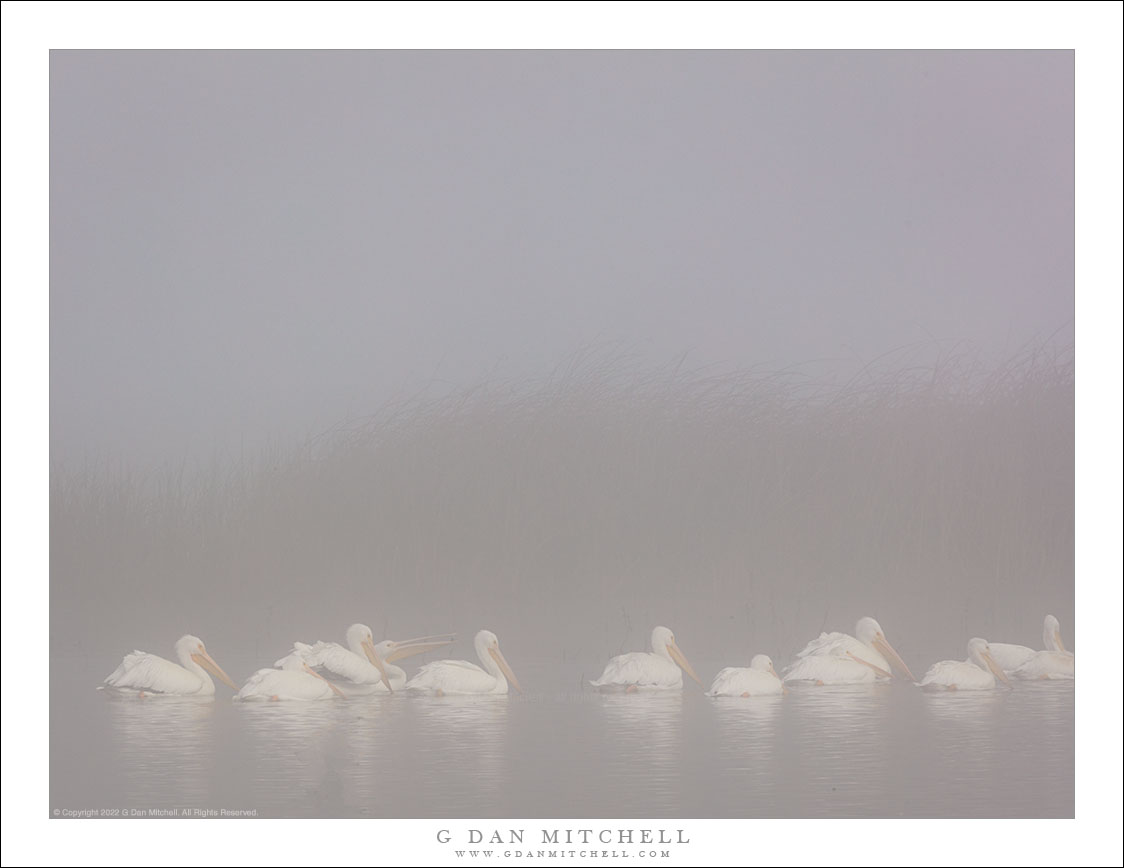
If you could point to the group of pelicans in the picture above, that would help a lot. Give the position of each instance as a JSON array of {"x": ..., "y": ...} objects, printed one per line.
[
  {"x": 327, "y": 670},
  {"x": 837, "y": 658}
]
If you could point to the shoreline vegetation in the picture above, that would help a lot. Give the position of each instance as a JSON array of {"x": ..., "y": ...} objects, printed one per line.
[{"x": 747, "y": 510}]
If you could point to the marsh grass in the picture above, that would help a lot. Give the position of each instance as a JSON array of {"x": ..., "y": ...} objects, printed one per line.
[{"x": 747, "y": 510}]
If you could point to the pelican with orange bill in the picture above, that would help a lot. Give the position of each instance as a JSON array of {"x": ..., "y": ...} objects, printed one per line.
[
  {"x": 459, "y": 677},
  {"x": 356, "y": 670},
  {"x": 146, "y": 674},
  {"x": 660, "y": 669},
  {"x": 836, "y": 658},
  {"x": 291, "y": 679},
  {"x": 979, "y": 672}
]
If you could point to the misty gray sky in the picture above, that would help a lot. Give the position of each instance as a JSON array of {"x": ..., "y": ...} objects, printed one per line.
[{"x": 254, "y": 246}]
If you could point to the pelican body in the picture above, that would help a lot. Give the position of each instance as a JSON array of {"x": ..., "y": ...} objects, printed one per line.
[
  {"x": 978, "y": 672},
  {"x": 836, "y": 658},
  {"x": 459, "y": 677},
  {"x": 390, "y": 650},
  {"x": 760, "y": 679},
  {"x": 292, "y": 679},
  {"x": 660, "y": 669},
  {"x": 145, "y": 674},
  {"x": 364, "y": 667},
  {"x": 355, "y": 669},
  {"x": 1012, "y": 657},
  {"x": 1046, "y": 666}
]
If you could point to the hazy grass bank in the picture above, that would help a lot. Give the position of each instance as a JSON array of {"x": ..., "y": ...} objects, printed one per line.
[{"x": 746, "y": 511}]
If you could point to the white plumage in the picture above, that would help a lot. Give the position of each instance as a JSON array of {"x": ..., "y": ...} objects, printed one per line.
[
  {"x": 1011, "y": 657},
  {"x": 759, "y": 679},
  {"x": 355, "y": 670},
  {"x": 364, "y": 667},
  {"x": 978, "y": 672},
  {"x": 837, "y": 658},
  {"x": 1046, "y": 666},
  {"x": 660, "y": 669},
  {"x": 390, "y": 650},
  {"x": 455, "y": 677},
  {"x": 827, "y": 669},
  {"x": 144, "y": 673},
  {"x": 292, "y": 679}
]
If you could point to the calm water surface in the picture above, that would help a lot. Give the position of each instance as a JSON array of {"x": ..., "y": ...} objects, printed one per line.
[{"x": 557, "y": 751}]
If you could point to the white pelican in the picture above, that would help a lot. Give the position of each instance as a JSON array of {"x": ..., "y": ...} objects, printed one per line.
[
  {"x": 291, "y": 679},
  {"x": 366, "y": 667},
  {"x": 450, "y": 677},
  {"x": 760, "y": 679},
  {"x": 389, "y": 651},
  {"x": 836, "y": 658},
  {"x": 661, "y": 669},
  {"x": 357, "y": 668},
  {"x": 1046, "y": 666},
  {"x": 144, "y": 673},
  {"x": 1011, "y": 657},
  {"x": 978, "y": 672}
]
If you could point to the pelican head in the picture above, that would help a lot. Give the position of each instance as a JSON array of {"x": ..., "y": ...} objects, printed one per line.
[
  {"x": 663, "y": 644},
  {"x": 1052, "y": 634},
  {"x": 191, "y": 649},
  {"x": 488, "y": 648},
  {"x": 980, "y": 653},
  {"x": 763, "y": 663},
  {"x": 357, "y": 636},
  {"x": 362, "y": 643},
  {"x": 384, "y": 649},
  {"x": 869, "y": 632}
]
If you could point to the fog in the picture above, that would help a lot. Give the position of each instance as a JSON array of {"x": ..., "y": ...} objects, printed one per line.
[
  {"x": 248, "y": 248},
  {"x": 563, "y": 345}
]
